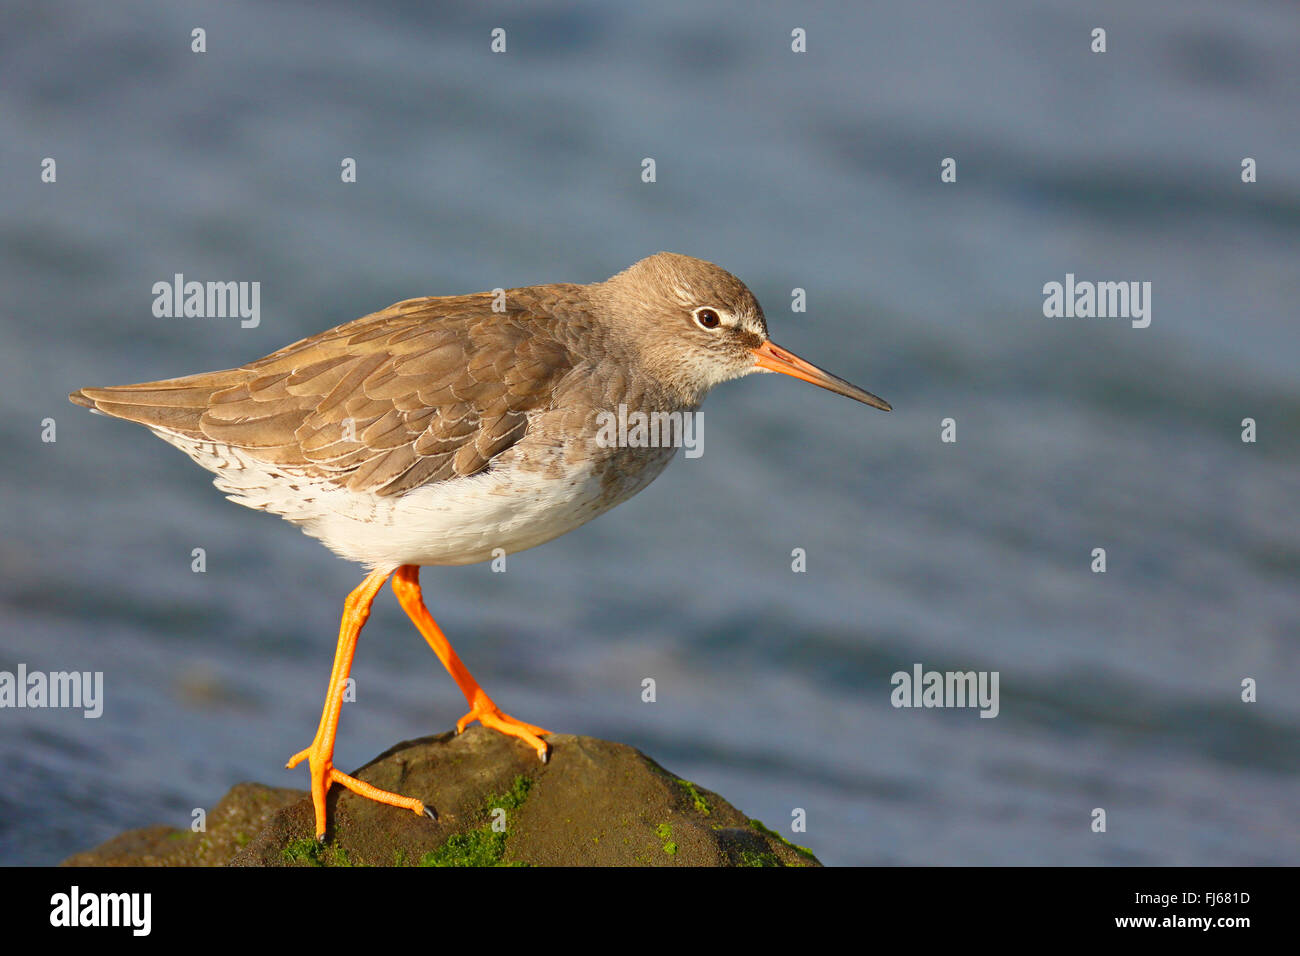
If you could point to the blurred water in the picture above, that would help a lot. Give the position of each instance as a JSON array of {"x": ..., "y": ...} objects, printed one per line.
[{"x": 817, "y": 170}]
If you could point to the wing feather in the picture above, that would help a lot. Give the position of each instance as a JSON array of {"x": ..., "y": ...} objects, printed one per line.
[{"x": 425, "y": 390}]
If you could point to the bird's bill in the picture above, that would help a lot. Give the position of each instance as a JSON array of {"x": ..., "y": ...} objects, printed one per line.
[{"x": 772, "y": 358}]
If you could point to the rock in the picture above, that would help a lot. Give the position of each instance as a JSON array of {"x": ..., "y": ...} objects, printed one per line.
[
  {"x": 595, "y": 803},
  {"x": 232, "y": 824}
]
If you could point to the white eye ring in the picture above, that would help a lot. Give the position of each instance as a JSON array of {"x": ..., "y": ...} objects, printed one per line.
[{"x": 708, "y": 319}]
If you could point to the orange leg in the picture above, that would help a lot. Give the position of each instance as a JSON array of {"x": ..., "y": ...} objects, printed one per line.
[
  {"x": 406, "y": 585},
  {"x": 320, "y": 755}
]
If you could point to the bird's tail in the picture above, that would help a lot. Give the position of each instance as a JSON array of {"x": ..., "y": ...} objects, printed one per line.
[{"x": 173, "y": 405}]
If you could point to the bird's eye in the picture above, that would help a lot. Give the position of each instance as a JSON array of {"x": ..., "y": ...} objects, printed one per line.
[{"x": 708, "y": 318}]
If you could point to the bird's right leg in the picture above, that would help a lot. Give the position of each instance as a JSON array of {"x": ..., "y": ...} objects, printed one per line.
[{"x": 406, "y": 585}]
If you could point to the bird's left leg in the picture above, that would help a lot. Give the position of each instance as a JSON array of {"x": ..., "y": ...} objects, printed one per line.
[{"x": 320, "y": 755}]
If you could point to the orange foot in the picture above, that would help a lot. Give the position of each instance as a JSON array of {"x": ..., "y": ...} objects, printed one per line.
[
  {"x": 406, "y": 585},
  {"x": 489, "y": 715},
  {"x": 320, "y": 754},
  {"x": 323, "y": 774}
]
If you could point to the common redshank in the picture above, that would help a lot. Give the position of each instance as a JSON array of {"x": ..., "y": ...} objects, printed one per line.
[{"x": 441, "y": 429}]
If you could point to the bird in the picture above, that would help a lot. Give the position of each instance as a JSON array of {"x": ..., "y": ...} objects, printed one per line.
[{"x": 447, "y": 430}]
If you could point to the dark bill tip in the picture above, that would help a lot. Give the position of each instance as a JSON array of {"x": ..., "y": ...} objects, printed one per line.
[{"x": 772, "y": 358}]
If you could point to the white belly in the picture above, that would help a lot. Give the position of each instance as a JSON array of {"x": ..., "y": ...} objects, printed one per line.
[{"x": 461, "y": 521}]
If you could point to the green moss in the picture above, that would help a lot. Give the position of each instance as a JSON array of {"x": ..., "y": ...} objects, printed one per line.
[
  {"x": 482, "y": 846},
  {"x": 697, "y": 798},
  {"x": 303, "y": 851},
  {"x": 399, "y": 856},
  {"x": 308, "y": 852},
  {"x": 665, "y": 832},
  {"x": 337, "y": 856},
  {"x": 241, "y": 839},
  {"x": 754, "y": 858},
  {"x": 513, "y": 798},
  {"x": 180, "y": 834},
  {"x": 766, "y": 831}
]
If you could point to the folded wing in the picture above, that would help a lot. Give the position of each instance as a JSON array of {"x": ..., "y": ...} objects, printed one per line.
[{"x": 424, "y": 391}]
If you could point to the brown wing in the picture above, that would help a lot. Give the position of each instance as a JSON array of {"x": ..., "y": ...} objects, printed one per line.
[{"x": 426, "y": 390}]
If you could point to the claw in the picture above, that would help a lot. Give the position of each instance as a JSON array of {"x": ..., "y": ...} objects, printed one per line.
[{"x": 431, "y": 813}]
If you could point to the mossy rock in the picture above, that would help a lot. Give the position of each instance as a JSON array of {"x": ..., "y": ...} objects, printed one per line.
[
  {"x": 240, "y": 815},
  {"x": 595, "y": 803}
]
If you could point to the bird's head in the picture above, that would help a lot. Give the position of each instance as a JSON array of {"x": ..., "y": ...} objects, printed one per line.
[{"x": 695, "y": 325}]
